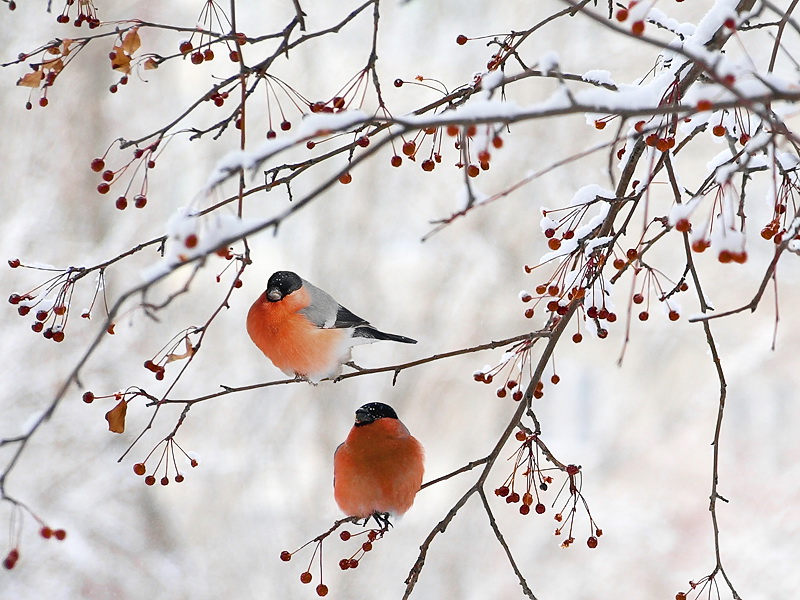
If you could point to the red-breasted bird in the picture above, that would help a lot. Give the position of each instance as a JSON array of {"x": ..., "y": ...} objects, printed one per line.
[
  {"x": 378, "y": 469},
  {"x": 304, "y": 331}
]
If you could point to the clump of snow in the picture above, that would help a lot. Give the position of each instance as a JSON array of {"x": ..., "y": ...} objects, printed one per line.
[
  {"x": 598, "y": 76},
  {"x": 683, "y": 211}
]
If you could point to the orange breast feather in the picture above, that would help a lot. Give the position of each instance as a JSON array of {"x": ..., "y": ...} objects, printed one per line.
[
  {"x": 379, "y": 468},
  {"x": 291, "y": 341}
]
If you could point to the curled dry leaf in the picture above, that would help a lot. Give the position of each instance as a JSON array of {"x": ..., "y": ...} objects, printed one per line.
[
  {"x": 173, "y": 356},
  {"x": 32, "y": 79},
  {"x": 150, "y": 64},
  {"x": 116, "y": 417},
  {"x": 131, "y": 42}
]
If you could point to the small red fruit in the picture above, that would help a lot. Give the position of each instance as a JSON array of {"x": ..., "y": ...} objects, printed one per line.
[
  {"x": 305, "y": 577},
  {"x": 139, "y": 469},
  {"x": 286, "y": 556},
  {"x": 461, "y": 40}
]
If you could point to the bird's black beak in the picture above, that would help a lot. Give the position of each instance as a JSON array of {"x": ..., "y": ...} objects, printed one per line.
[
  {"x": 274, "y": 294},
  {"x": 363, "y": 417}
]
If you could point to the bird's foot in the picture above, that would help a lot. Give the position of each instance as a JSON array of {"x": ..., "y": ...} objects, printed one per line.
[{"x": 381, "y": 518}]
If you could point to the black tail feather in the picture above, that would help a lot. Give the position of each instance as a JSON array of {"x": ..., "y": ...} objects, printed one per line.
[{"x": 370, "y": 332}]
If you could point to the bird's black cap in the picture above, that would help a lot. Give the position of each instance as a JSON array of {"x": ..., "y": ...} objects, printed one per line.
[{"x": 369, "y": 413}]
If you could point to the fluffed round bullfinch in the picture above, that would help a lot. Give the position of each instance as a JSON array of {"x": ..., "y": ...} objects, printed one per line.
[
  {"x": 378, "y": 469},
  {"x": 304, "y": 331}
]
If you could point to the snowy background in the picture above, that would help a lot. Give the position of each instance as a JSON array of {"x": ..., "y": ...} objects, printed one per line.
[{"x": 641, "y": 431}]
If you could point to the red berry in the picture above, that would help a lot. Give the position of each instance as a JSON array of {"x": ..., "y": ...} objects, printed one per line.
[
  {"x": 622, "y": 15},
  {"x": 179, "y": 478},
  {"x": 344, "y": 564},
  {"x": 600, "y": 124},
  {"x": 46, "y": 532},
  {"x": 344, "y": 536},
  {"x": 461, "y": 40},
  {"x": 577, "y": 338},
  {"x": 37, "y": 327},
  {"x": 88, "y": 397},
  {"x": 674, "y": 315},
  {"x": 718, "y": 130},
  {"x": 139, "y": 201},
  {"x": 58, "y": 336},
  {"x": 528, "y": 313},
  {"x": 512, "y": 497},
  {"x": 366, "y": 546},
  {"x": 103, "y": 188},
  {"x": 286, "y": 126},
  {"x": 409, "y": 148},
  {"x": 502, "y": 491},
  {"x": 644, "y": 315},
  {"x": 322, "y": 590},
  {"x": 150, "y": 480},
  {"x": 98, "y": 164},
  {"x": 286, "y": 556},
  {"x": 208, "y": 54},
  {"x": 121, "y": 203},
  {"x": 397, "y": 161},
  {"x": 190, "y": 241},
  {"x": 428, "y": 165},
  {"x": 501, "y": 392},
  {"x": 139, "y": 469},
  {"x": 60, "y": 534},
  {"x": 197, "y": 58},
  {"x": 540, "y": 508},
  {"x": 398, "y": 83},
  {"x": 592, "y": 542},
  {"x": 305, "y": 577},
  {"x": 345, "y": 178},
  {"x": 108, "y": 175},
  {"x": 704, "y": 105},
  {"x": 185, "y": 47},
  {"x": 473, "y": 170},
  {"x": 234, "y": 56},
  {"x": 524, "y": 509},
  {"x": 637, "y": 28}
]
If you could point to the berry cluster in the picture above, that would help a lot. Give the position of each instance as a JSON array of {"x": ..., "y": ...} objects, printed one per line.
[
  {"x": 527, "y": 461},
  {"x": 15, "y": 530},
  {"x": 87, "y": 13},
  {"x": 143, "y": 160},
  {"x": 212, "y": 16},
  {"x": 725, "y": 231},
  {"x": 518, "y": 360},
  {"x": 50, "y": 301},
  {"x": 372, "y": 535},
  {"x": 168, "y": 460},
  {"x": 777, "y": 228}
]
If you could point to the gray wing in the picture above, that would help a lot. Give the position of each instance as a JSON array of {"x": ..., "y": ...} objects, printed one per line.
[{"x": 327, "y": 313}]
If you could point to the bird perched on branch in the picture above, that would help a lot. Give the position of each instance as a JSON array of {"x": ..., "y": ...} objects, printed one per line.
[
  {"x": 304, "y": 331},
  {"x": 378, "y": 469}
]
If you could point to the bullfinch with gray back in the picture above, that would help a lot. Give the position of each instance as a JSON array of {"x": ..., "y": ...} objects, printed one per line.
[
  {"x": 378, "y": 469},
  {"x": 304, "y": 331}
]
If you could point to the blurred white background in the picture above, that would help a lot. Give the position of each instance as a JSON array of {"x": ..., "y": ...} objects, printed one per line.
[{"x": 641, "y": 431}]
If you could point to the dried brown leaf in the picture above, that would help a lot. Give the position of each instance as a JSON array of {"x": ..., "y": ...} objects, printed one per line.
[
  {"x": 32, "y": 79},
  {"x": 131, "y": 42},
  {"x": 116, "y": 417},
  {"x": 150, "y": 64}
]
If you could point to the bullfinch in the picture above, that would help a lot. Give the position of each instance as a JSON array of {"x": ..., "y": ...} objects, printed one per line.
[
  {"x": 304, "y": 331},
  {"x": 378, "y": 469}
]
